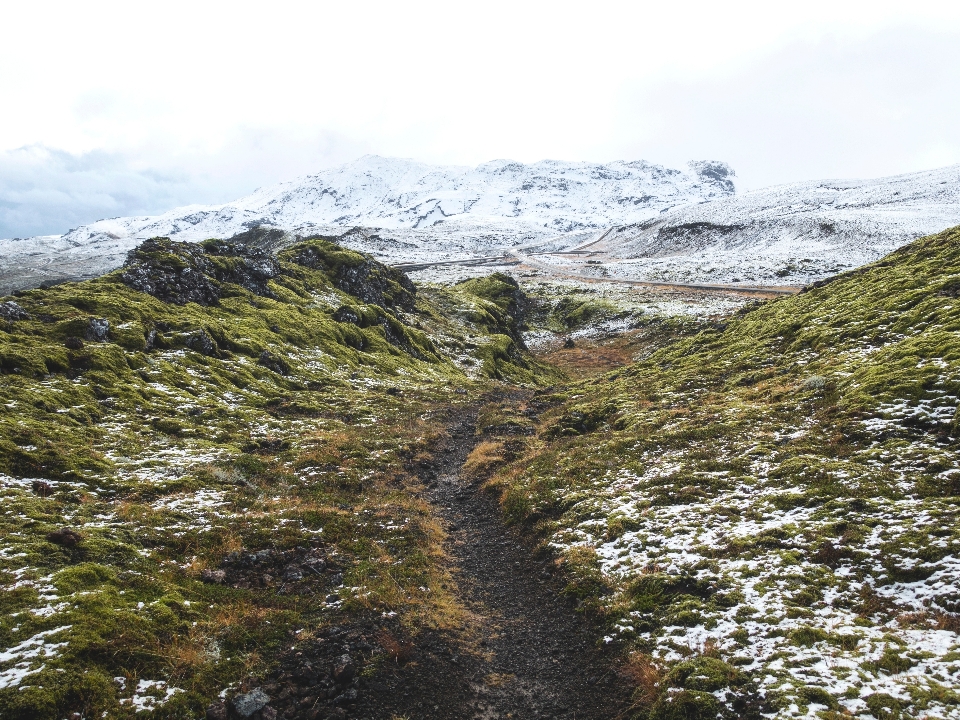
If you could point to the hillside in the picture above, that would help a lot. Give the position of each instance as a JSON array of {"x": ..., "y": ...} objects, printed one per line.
[
  {"x": 212, "y": 449},
  {"x": 278, "y": 483},
  {"x": 765, "y": 513},
  {"x": 426, "y": 211},
  {"x": 788, "y": 234}
]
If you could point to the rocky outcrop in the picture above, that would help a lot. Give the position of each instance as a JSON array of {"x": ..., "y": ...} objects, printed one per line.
[
  {"x": 504, "y": 292},
  {"x": 357, "y": 274},
  {"x": 11, "y": 311},
  {"x": 181, "y": 273},
  {"x": 98, "y": 330}
]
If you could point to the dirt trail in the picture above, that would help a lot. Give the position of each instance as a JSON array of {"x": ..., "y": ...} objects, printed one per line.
[{"x": 537, "y": 658}]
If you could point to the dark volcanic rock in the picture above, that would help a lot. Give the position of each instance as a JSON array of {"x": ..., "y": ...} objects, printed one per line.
[
  {"x": 217, "y": 711},
  {"x": 360, "y": 275},
  {"x": 202, "y": 343},
  {"x": 11, "y": 311},
  {"x": 42, "y": 488},
  {"x": 301, "y": 570},
  {"x": 273, "y": 362},
  {"x": 346, "y": 314},
  {"x": 65, "y": 537},
  {"x": 98, "y": 330},
  {"x": 180, "y": 273},
  {"x": 73, "y": 343}
]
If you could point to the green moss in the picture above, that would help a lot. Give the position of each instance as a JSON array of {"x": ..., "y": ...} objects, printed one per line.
[
  {"x": 703, "y": 673},
  {"x": 172, "y": 442},
  {"x": 686, "y": 705},
  {"x": 884, "y": 707},
  {"x": 813, "y": 694}
]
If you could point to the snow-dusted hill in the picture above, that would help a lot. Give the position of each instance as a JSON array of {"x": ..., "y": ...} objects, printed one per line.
[
  {"x": 424, "y": 210},
  {"x": 656, "y": 223},
  {"x": 789, "y": 233}
]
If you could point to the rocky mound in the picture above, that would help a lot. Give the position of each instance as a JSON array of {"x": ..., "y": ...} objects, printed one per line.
[
  {"x": 181, "y": 273},
  {"x": 357, "y": 274},
  {"x": 504, "y": 292}
]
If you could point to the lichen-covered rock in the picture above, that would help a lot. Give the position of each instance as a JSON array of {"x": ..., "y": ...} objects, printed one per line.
[
  {"x": 11, "y": 311},
  {"x": 98, "y": 330},
  {"x": 181, "y": 273},
  {"x": 247, "y": 704},
  {"x": 357, "y": 274}
]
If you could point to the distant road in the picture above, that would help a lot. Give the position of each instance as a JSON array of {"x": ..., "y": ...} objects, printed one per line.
[
  {"x": 740, "y": 289},
  {"x": 515, "y": 257}
]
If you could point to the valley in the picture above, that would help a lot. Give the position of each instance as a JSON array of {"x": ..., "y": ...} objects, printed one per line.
[{"x": 270, "y": 476}]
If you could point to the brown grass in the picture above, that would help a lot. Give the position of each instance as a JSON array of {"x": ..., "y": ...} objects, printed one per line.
[
  {"x": 930, "y": 618},
  {"x": 590, "y": 358},
  {"x": 483, "y": 460},
  {"x": 644, "y": 672},
  {"x": 398, "y": 651}
]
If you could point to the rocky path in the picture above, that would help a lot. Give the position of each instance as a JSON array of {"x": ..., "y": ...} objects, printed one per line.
[{"x": 532, "y": 656}]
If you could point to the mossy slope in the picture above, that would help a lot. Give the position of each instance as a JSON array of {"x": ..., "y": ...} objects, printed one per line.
[
  {"x": 249, "y": 403},
  {"x": 774, "y": 491}
]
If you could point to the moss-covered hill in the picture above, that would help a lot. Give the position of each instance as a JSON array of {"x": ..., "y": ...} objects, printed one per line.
[
  {"x": 207, "y": 456},
  {"x": 766, "y": 513}
]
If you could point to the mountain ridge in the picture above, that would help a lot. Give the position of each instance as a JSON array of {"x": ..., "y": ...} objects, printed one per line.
[{"x": 496, "y": 204}]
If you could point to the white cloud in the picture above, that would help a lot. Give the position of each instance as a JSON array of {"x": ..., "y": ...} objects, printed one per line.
[
  {"x": 45, "y": 191},
  {"x": 203, "y": 102}
]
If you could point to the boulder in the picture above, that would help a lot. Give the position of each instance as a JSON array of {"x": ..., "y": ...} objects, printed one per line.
[
  {"x": 214, "y": 577},
  {"x": 11, "y": 311},
  {"x": 202, "y": 343},
  {"x": 98, "y": 330},
  {"x": 346, "y": 314},
  {"x": 249, "y": 703}
]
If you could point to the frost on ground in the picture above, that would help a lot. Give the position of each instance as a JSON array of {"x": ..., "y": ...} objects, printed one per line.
[
  {"x": 846, "y": 597},
  {"x": 778, "y": 495},
  {"x": 26, "y": 658},
  {"x": 183, "y": 493}
]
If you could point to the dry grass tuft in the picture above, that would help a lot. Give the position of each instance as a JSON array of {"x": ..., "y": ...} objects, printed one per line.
[
  {"x": 483, "y": 460},
  {"x": 397, "y": 650},
  {"x": 644, "y": 672}
]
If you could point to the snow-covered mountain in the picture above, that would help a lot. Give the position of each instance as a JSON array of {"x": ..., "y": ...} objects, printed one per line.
[
  {"x": 788, "y": 234},
  {"x": 423, "y": 209},
  {"x": 642, "y": 221}
]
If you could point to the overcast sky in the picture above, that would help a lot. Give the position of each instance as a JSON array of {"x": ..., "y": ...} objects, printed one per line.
[{"x": 131, "y": 108}]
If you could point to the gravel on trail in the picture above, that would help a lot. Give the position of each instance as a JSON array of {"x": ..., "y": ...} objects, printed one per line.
[{"x": 533, "y": 656}]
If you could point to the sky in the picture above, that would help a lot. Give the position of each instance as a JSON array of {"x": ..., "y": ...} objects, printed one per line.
[{"x": 119, "y": 108}]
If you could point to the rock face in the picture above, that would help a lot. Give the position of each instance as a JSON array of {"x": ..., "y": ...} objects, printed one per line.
[
  {"x": 358, "y": 274},
  {"x": 180, "y": 273}
]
